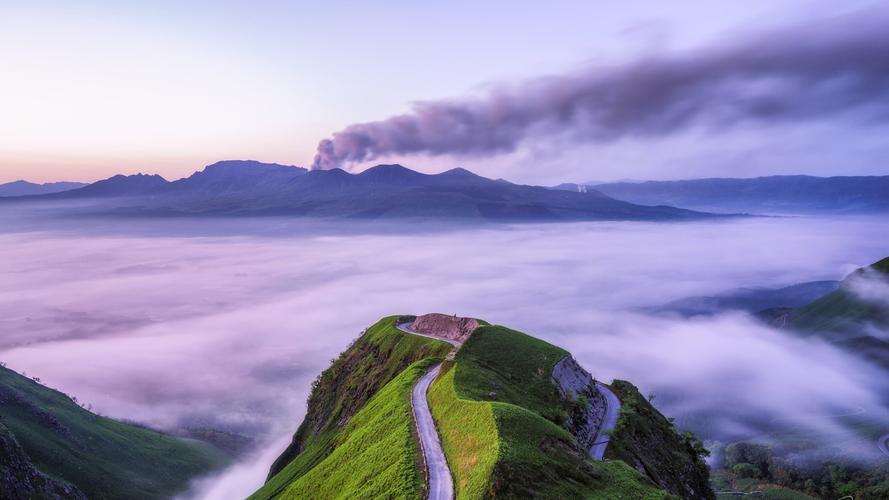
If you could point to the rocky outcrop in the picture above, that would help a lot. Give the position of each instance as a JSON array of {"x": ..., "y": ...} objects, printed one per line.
[
  {"x": 442, "y": 325},
  {"x": 588, "y": 409},
  {"x": 649, "y": 442},
  {"x": 20, "y": 479}
]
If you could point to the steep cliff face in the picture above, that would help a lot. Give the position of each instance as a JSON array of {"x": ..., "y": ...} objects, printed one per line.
[
  {"x": 588, "y": 411},
  {"x": 20, "y": 479},
  {"x": 375, "y": 359},
  {"x": 648, "y": 441}
]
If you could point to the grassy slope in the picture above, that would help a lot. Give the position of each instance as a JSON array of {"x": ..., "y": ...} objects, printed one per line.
[
  {"x": 841, "y": 311},
  {"x": 102, "y": 457},
  {"x": 468, "y": 436},
  {"x": 530, "y": 455},
  {"x": 374, "y": 455},
  {"x": 846, "y": 320},
  {"x": 646, "y": 439},
  {"x": 342, "y": 392}
]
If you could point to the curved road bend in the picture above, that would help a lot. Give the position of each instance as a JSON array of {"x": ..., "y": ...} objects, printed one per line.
[
  {"x": 441, "y": 484},
  {"x": 612, "y": 411},
  {"x": 405, "y": 327},
  {"x": 883, "y": 444}
]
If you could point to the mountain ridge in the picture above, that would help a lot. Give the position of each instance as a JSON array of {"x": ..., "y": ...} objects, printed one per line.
[
  {"x": 25, "y": 188},
  {"x": 507, "y": 426},
  {"x": 249, "y": 188},
  {"x": 766, "y": 194}
]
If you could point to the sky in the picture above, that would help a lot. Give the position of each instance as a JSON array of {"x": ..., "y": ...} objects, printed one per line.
[{"x": 96, "y": 88}]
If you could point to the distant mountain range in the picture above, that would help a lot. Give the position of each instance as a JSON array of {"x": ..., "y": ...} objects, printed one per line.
[
  {"x": 781, "y": 194},
  {"x": 250, "y": 188},
  {"x": 25, "y": 188}
]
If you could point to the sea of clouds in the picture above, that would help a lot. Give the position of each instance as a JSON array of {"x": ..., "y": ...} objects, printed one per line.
[{"x": 225, "y": 323}]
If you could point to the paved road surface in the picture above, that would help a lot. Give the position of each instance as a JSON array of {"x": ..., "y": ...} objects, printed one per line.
[
  {"x": 612, "y": 410},
  {"x": 441, "y": 484},
  {"x": 406, "y": 328},
  {"x": 883, "y": 444}
]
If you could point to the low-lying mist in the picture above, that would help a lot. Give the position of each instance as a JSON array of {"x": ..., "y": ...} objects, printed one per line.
[{"x": 194, "y": 323}]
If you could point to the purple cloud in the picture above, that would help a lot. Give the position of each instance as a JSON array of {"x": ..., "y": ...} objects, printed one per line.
[{"x": 831, "y": 68}]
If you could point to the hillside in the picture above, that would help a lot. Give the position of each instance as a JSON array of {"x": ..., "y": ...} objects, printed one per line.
[
  {"x": 510, "y": 423},
  {"x": 780, "y": 194},
  {"x": 52, "y": 444},
  {"x": 752, "y": 300},
  {"x": 850, "y": 315},
  {"x": 248, "y": 188}
]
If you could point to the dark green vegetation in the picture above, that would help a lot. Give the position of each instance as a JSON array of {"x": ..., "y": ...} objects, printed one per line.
[
  {"x": 365, "y": 381},
  {"x": 100, "y": 457},
  {"x": 648, "y": 441},
  {"x": 385, "y": 191},
  {"x": 756, "y": 467},
  {"x": 843, "y": 311},
  {"x": 508, "y": 375},
  {"x": 373, "y": 456},
  {"x": 20, "y": 479},
  {"x": 846, "y": 319},
  {"x": 497, "y": 410}
]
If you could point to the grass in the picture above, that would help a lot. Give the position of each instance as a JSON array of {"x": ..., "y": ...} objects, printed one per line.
[
  {"x": 344, "y": 390},
  {"x": 104, "y": 458},
  {"x": 374, "y": 455},
  {"x": 510, "y": 445},
  {"x": 468, "y": 436},
  {"x": 645, "y": 437},
  {"x": 496, "y": 408},
  {"x": 841, "y": 311},
  {"x": 515, "y": 366}
]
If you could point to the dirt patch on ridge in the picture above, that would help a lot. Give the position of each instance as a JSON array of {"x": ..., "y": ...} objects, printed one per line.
[{"x": 442, "y": 325}]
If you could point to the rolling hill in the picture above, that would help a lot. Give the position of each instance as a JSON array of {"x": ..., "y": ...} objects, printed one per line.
[
  {"x": 248, "y": 188},
  {"x": 516, "y": 417},
  {"x": 51, "y": 447},
  {"x": 851, "y": 316},
  {"x": 780, "y": 194}
]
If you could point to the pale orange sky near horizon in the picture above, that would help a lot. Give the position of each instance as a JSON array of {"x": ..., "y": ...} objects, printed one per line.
[{"x": 104, "y": 88}]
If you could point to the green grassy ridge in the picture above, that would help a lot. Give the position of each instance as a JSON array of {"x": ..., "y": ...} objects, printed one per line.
[
  {"x": 468, "y": 433},
  {"x": 20, "y": 479},
  {"x": 530, "y": 454},
  {"x": 843, "y": 318},
  {"x": 646, "y": 439},
  {"x": 104, "y": 458},
  {"x": 352, "y": 379},
  {"x": 374, "y": 456},
  {"x": 509, "y": 444},
  {"x": 841, "y": 311},
  {"x": 342, "y": 391}
]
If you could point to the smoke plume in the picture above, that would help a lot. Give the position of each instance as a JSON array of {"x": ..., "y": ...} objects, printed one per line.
[{"x": 826, "y": 69}]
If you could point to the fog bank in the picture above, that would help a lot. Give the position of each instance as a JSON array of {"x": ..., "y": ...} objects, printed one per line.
[{"x": 151, "y": 323}]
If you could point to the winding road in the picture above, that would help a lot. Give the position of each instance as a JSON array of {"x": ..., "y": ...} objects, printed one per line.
[
  {"x": 441, "y": 483},
  {"x": 612, "y": 411}
]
